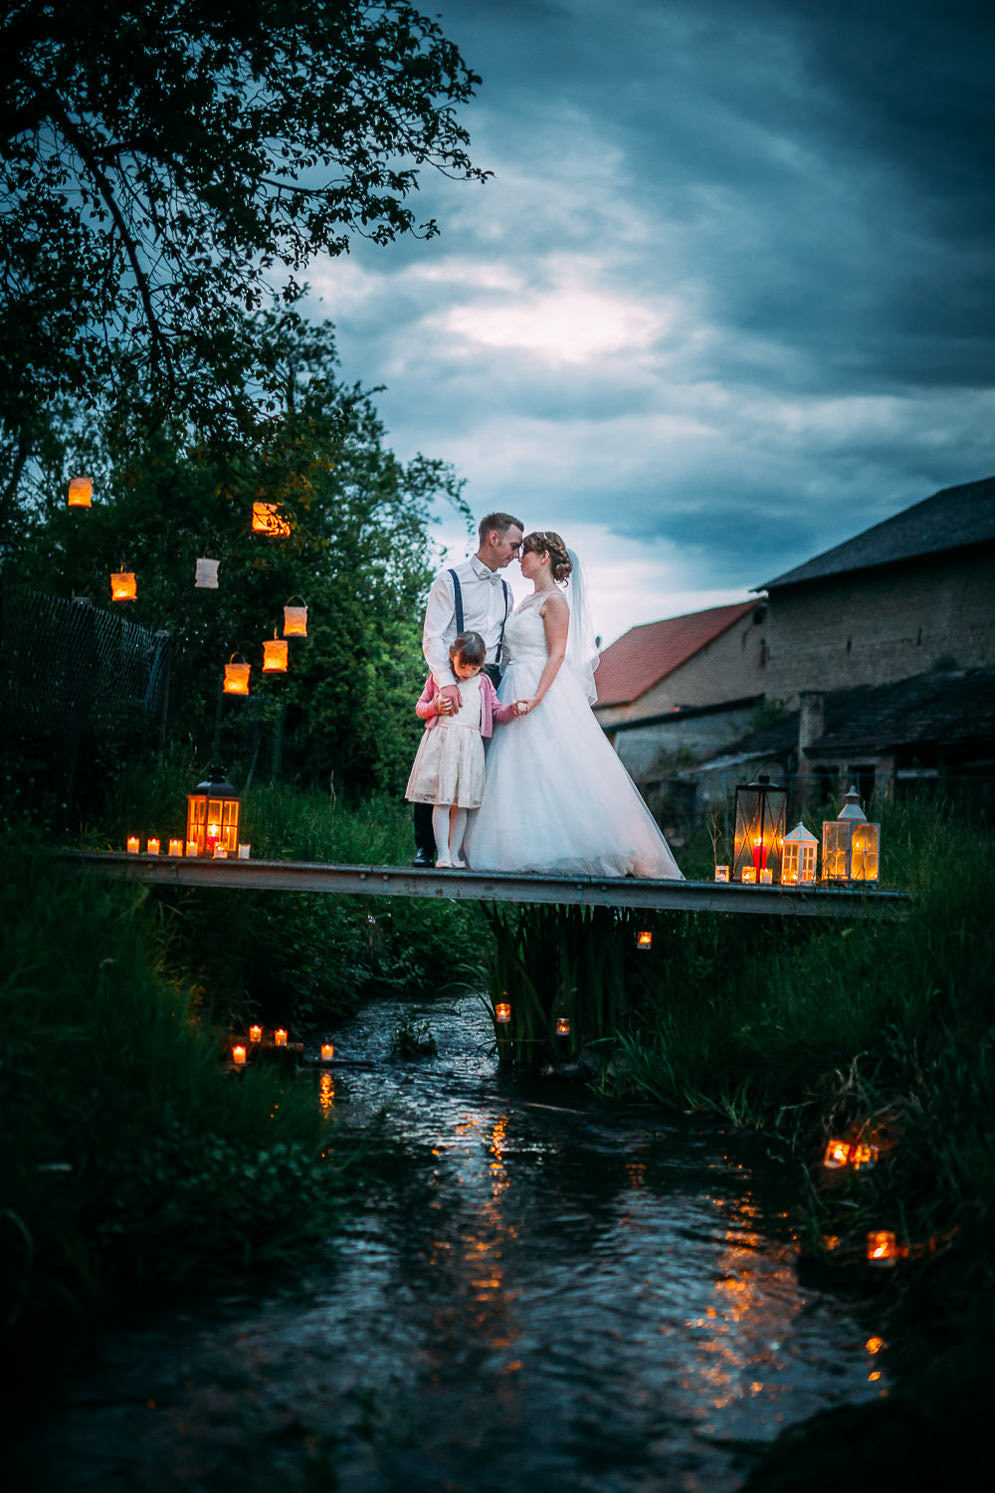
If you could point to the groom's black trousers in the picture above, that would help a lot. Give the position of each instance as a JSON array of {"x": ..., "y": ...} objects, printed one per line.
[{"x": 424, "y": 834}]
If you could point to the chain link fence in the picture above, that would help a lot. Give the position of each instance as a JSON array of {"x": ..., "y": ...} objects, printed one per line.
[{"x": 81, "y": 691}]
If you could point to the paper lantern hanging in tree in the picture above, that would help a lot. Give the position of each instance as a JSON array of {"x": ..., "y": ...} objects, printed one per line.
[
  {"x": 80, "y": 492},
  {"x": 124, "y": 586},
  {"x": 274, "y": 655},
  {"x": 236, "y": 676},
  {"x": 294, "y": 620},
  {"x": 206, "y": 574},
  {"x": 268, "y": 518}
]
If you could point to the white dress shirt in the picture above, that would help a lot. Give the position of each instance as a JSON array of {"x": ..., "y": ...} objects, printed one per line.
[{"x": 483, "y": 611}]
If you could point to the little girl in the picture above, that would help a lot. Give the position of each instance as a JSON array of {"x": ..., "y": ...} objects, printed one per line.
[{"x": 448, "y": 769}]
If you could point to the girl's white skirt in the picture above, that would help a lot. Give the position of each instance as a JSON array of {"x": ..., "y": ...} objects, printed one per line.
[{"x": 448, "y": 766}]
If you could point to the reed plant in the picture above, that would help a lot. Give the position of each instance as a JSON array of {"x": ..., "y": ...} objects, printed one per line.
[
  {"x": 294, "y": 959},
  {"x": 131, "y": 1159}
]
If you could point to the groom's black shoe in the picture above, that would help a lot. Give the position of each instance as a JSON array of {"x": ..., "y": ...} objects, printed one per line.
[{"x": 422, "y": 858}]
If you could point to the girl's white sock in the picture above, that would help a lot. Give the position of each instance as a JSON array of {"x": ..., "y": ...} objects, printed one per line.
[
  {"x": 440, "y": 829},
  {"x": 457, "y": 829}
]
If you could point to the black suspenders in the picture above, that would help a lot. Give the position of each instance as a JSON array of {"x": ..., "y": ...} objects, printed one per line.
[{"x": 458, "y": 598}]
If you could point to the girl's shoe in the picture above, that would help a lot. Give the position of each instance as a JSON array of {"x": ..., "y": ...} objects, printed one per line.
[
  {"x": 443, "y": 863},
  {"x": 459, "y": 864}
]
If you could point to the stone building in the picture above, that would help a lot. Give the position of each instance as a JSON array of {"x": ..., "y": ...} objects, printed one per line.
[
  {"x": 910, "y": 596},
  {"x": 676, "y": 690}
]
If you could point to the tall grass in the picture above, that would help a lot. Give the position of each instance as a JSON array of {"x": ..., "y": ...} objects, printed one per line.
[
  {"x": 295, "y": 959},
  {"x": 129, "y": 1157}
]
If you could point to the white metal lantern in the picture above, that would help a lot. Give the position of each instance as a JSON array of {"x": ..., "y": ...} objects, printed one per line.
[
  {"x": 851, "y": 848},
  {"x": 800, "y": 858},
  {"x": 206, "y": 574}
]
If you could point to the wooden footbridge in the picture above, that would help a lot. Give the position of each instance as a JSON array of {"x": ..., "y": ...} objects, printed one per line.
[{"x": 478, "y": 886}]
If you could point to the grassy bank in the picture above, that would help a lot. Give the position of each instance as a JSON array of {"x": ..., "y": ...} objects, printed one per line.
[
  {"x": 132, "y": 1163},
  {"x": 297, "y": 960},
  {"x": 874, "y": 1032}
]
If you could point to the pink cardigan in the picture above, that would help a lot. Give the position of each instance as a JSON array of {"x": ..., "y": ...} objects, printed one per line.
[{"x": 491, "y": 709}]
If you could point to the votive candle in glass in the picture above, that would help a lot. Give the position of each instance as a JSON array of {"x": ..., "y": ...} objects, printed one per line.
[
  {"x": 176, "y": 847},
  {"x": 152, "y": 845},
  {"x": 134, "y": 844},
  {"x": 280, "y": 1037}
]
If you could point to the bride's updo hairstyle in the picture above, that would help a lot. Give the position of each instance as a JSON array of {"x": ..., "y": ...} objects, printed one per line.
[{"x": 545, "y": 542}]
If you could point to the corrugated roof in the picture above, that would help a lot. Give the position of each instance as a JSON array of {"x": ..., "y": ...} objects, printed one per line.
[
  {"x": 950, "y": 519},
  {"x": 950, "y": 708},
  {"x": 645, "y": 655}
]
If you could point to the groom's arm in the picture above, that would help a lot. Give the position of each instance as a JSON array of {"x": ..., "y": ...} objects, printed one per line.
[{"x": 439, "y": 615}]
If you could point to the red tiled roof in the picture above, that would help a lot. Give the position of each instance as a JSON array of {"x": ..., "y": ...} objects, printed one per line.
[{"x": 645, "y": 655}]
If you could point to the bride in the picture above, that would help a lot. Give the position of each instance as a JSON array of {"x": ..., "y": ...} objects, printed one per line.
[{"x": 556, "y": 797}]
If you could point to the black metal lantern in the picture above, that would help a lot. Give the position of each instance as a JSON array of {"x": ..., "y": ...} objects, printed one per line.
[
  {"x": 212, "y": 817},
  {"x": 761, "y": 819}
]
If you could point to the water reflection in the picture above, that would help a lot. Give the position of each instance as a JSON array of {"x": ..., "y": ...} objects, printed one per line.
[{"x": 551, "y": 1294}]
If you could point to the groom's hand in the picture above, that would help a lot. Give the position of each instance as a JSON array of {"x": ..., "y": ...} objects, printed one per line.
[{"x": 450, "y": 699}]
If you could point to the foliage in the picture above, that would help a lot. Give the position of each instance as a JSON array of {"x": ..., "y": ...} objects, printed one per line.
[
  {"x": 167, "y": 166},
  {"x": 128, "y": 1156},
  {"x": 359, "y": 555},
  {"x": 549, "y": 962},
  {"x": 296, "y": 959},
  {"x": 412, "y": 1038}
]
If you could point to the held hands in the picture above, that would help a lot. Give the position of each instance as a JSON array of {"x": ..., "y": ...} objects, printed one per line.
[
  {"x": 448, "y": 700},
  {"x": 522, "y": 707}
]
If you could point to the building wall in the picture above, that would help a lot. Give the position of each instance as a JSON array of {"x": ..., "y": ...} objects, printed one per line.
[
  {"x": 730, "y": 667},
  {"x": 642, "y": 749},
  {"x": 874, "y": 627}
]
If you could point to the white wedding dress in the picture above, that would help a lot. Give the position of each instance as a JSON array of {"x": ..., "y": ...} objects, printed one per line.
[{"x": 556, "y": 797}]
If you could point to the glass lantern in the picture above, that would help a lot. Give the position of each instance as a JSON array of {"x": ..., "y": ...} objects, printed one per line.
[
  {"x": 212, "y": 816},
  {"x": 801, "y": 852},
  {"x": 761, "y": 814},
  {"x": 851, "y": 847}
]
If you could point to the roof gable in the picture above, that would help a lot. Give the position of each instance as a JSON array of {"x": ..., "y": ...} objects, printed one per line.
[
  {"x": 950, "y": 519},
  {"x": 645, "y": 655}
]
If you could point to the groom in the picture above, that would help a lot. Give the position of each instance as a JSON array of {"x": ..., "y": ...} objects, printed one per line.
[{"x": 468, "y": 597}]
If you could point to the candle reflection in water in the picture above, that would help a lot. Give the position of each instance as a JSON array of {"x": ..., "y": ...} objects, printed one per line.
[{"x": 326, "y": 1094}]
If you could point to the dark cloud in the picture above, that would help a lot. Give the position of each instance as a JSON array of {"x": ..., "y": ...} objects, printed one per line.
[{"x": 728, "y": 296}]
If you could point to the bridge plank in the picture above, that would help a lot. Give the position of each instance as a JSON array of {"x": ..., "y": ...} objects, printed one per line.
[{"x": 472, "y": 886}]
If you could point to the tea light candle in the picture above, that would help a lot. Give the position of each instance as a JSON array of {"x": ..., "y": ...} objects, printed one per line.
[
  {"x": 176, "y": 847},
  {"x": 152, "y": 846},
  {"x": 721, "y": 873},
  {"x": 134, "y": 844},
  {"x": 766, "y": 877},
  {"x": 327, "y": 1052},
  {"x": 748, "y": 874},
  {"x": 563, "y": 1026},
  {"x": 192, "y": 847},
  {"x": 644, "y": 940},
  {"x": 255, "y": 1033},
  {"x": 280, "y": 1037},
  {"x": 502, "y": 1011},
  {"x": 220, "y": 853},
  {"x": 238, "y": 1055}
]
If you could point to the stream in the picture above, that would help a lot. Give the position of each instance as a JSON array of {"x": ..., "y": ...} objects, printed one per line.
[{"x": 552, "y": 1293}]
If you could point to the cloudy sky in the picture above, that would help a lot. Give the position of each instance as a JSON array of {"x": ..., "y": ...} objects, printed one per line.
[{"x": 728, "y": 297}]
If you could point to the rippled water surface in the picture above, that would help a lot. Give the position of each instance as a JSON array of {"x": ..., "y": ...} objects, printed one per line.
[{"x": 551, "y": 1294}]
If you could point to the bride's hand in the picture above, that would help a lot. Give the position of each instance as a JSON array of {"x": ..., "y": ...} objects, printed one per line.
[{"x": 522, "y": 707}]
